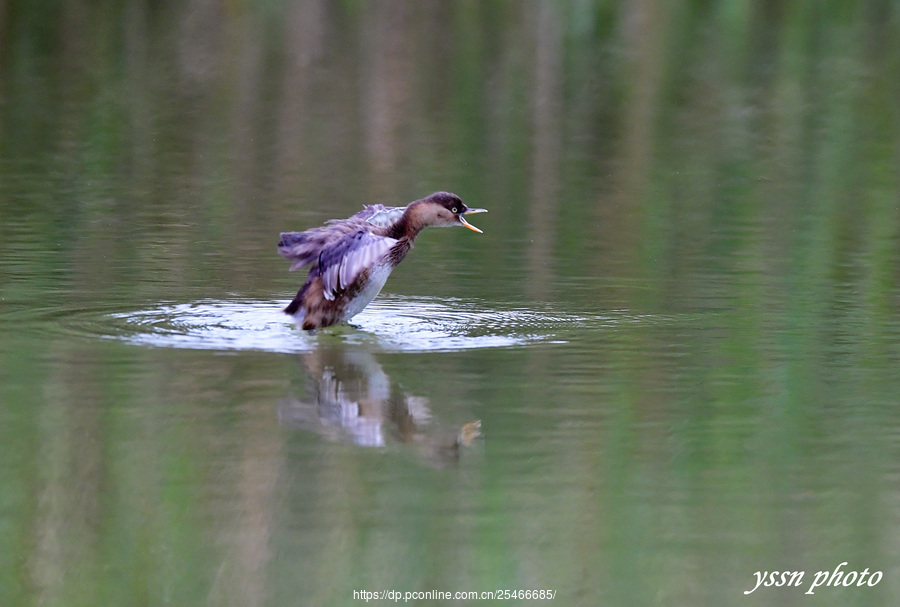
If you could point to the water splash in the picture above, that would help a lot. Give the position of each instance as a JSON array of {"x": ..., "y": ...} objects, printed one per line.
[{"x": 397, "y": 324}]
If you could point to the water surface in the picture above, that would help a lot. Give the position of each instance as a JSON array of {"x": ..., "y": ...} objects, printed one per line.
[{"x": 670, "y": 361}]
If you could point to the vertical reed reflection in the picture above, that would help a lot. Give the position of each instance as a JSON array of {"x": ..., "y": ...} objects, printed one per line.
[
  {"x": 305, "y": 45},
  {"x": 389, "y": 59},
  {"x": 547, "y": 149}
]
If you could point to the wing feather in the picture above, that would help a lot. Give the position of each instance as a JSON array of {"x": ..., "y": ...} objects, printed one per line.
[
  {"x": 382, "y": 216},
  {"x": 342, "y": 263}
]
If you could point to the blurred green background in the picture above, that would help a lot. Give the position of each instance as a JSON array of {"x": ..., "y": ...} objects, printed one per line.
[{"x": 714, "y": 184}]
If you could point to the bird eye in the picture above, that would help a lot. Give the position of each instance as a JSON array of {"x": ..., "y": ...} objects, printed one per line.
[{"x": 453, "y": 210}]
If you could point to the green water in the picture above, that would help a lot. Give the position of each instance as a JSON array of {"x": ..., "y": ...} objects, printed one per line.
[{"x": 669, "y": 363}]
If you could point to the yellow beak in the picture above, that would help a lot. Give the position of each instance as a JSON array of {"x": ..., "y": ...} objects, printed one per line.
[{"x": 466, "y": 224}]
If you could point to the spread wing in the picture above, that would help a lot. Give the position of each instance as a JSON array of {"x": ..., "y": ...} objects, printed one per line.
[
  {"x": 340, "y": 264},
  {"x": 374, "y": 214},
  {"x": 303, "y": 248},
  {"x": 380, "y": 215}
]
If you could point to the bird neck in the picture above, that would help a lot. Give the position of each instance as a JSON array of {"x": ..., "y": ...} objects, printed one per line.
[{"x": 409, "y": 225}]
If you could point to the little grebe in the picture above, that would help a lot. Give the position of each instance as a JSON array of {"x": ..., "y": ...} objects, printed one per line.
[{"x": 352, "y": 258}]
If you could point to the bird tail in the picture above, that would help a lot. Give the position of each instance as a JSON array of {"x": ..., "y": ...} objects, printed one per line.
[{"x": 295, "y": 304}]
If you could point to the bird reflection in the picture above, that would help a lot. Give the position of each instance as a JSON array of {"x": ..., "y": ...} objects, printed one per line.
[{"x": 354, "y": 399}]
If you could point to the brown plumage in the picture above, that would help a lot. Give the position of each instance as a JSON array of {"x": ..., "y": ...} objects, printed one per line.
[{"x": 352, "y": 258}]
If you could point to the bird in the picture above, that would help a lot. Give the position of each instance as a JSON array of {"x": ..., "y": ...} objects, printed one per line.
[{"x": 352, "y": 258}]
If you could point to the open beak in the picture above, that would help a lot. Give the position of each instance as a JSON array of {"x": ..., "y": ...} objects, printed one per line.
[{"x": 466, "y": 224}]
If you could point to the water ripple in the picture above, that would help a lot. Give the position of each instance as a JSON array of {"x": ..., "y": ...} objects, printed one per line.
[{"x": 390, "y": 323}]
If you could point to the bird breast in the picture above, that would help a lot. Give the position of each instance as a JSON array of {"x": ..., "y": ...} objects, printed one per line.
[{"x": 378, "y": 275}]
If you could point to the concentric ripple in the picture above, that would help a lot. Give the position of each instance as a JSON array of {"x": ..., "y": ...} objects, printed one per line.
[{"x": 389, "y": 323}]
